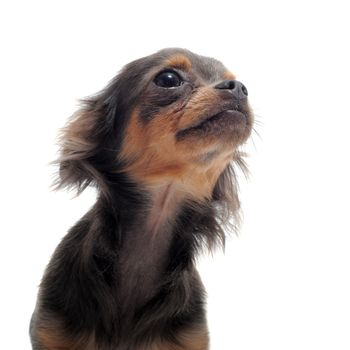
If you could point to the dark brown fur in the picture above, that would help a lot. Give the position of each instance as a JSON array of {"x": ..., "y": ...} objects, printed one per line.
[{"x": 124, "y": 276}]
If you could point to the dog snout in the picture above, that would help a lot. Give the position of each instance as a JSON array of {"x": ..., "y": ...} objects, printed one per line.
[{"x": 238, "y": 90}]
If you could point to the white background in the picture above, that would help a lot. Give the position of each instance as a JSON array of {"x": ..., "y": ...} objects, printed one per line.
[{"x": 284, "y": 282}]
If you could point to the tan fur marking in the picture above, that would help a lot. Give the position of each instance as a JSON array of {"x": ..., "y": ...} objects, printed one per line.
[
  {"x": 52, "y": 339},
  {"x": 192, "y": 339},
  {"x": 179, "y": 61},
  {"x": 229, "y": 76},
  {"x": 49, "y": 341},
  {"x": 202, "y": 101},
  {"x": 195, "y": 339}
]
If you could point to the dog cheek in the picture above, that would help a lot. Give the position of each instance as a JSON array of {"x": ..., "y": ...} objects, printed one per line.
[
  {"x": 134, "y": 139},
  {"x": 198, "y": 105}
]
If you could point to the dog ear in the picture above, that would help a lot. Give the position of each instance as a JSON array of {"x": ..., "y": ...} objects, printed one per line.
[{"x": 80, "y": 142}]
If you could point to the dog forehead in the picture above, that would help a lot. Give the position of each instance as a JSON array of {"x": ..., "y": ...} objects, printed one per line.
[{"x": 208, "y": 68}]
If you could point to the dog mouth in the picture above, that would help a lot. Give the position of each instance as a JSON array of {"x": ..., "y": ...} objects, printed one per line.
[{"x": 218, "y": 123}]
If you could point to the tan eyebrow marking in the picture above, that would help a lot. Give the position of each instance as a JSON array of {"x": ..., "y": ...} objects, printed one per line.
[
  {"x": 229, "y": 76},
  {"x": 179, "y": 61}
]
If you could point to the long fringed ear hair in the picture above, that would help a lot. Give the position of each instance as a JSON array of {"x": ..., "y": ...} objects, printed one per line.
[
  {"x": 87, "y": 153},
  {"x": 79, "y": 144},
  {"x": 89, "y": 142}
]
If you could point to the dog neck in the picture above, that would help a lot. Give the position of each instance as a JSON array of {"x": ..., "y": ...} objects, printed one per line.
[
  {"x": 155, "y": 226},
  {"x": 146, "y": 243}
]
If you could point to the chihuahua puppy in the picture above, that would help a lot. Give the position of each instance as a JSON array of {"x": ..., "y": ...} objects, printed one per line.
[{"x": 159, "y": 143}]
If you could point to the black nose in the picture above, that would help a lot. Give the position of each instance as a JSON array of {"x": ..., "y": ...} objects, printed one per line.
[{"x": 238, "y": 90}]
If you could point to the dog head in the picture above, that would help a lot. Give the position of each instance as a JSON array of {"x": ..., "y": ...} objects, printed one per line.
[{"x": 173, "y": 116}]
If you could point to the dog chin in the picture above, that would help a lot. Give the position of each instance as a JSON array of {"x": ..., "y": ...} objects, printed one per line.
[{"x": 227, "y": 124}]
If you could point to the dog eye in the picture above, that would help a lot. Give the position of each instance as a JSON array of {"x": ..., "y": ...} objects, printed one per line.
[{"x": 168, "y": 79}]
